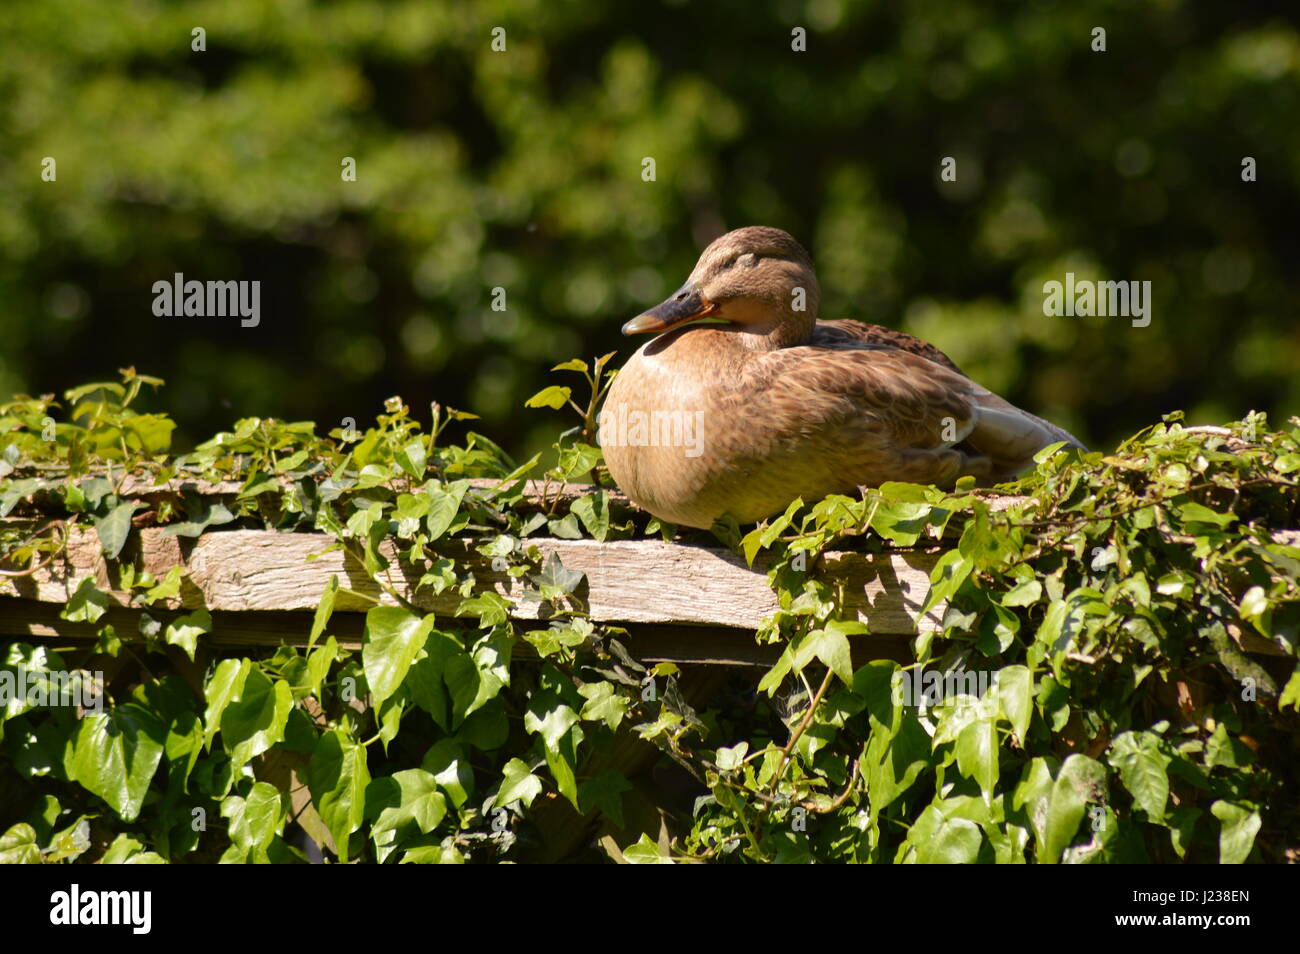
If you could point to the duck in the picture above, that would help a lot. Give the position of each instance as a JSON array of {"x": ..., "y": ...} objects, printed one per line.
[{"x": 745, "y": 400}]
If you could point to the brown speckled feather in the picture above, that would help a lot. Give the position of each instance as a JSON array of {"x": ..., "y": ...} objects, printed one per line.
[{"x": 846, "y": 333}]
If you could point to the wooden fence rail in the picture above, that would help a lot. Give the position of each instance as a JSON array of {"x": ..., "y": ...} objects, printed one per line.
[{"x": 679, "y": 601}]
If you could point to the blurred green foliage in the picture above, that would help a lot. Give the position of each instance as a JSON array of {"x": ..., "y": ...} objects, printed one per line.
[{"x": 522, "y": 169}]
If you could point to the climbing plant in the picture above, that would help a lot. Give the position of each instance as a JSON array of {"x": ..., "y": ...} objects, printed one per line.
[{"x": 1128, "y": 623}]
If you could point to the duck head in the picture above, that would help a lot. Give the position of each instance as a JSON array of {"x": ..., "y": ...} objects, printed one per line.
[{"x": 757, "y": 280}]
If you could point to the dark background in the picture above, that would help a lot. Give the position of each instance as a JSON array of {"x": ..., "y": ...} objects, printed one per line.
[{"x": 522, "y": 169}]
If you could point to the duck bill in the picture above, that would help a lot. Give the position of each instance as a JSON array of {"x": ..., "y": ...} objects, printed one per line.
[{"x": 686, "y": 304}]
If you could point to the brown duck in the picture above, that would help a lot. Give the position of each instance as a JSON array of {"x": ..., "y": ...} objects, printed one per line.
[{"x": 745, "y": 400}]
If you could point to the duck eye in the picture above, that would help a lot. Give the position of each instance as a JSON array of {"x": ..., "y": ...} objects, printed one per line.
[{"x": 748, "y": 260}]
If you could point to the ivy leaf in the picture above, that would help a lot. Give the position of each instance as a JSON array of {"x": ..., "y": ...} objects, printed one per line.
[
  {"x": 255, "y": 720},
  {"x": 645, "y": 852},
  {"x": 256, "y": 820},
  {"x": 87, "y": 604},
  {"x": 1026, "y": 593},
  {"x": 941, "y": 839},
  {"x": 555, "y": 581},
  {"x": 1239, "y": 825},
  {"x": 446, "y": 762},
  {"x": 18, "y": 846},
  {"x": 115, "y": 527},
  {"x": 185, "y": 631},
  {"x": 518, "y": 783},
  {"x": 338, "y": 777},
  {"x": 203, "y": 512},
  {"x": 1015, "y": 696},
  {"x": 323, "y": 610},
  {"x": 977, "y": 754},
  {"x": 222, "y": 689},
  {"x": 115, "y": 754},
  {"x": 476, "y": 678},
  {"x": 831, "y": 646},
  {"x": 1144, "y": 770},
  {"x": 394, "y": 636},
  {"x": 548, "y": 717},
  {"x": 603, "y": 704},
  {"x": 593, "y": 511},
  {"x": 413, "y": 459},
  {"x": 553, "y": 396},
  {"x": 605, "y": 792},
  {"x": 1057, "y": 806},
  {"x": 409, "y": 796}
]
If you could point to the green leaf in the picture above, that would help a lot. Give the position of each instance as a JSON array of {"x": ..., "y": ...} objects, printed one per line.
[
  {"x": 1026, "y": 593},
  {"x": 413, "y": 458},
  {"x": 1193, "y": 512},
  {"x": 203, "y": 512},
  {"x": 548, "y": 717},
  {"x": 573, "y": 364},
  {"x": 115, "y": 527},
  {"x": 518, "y": 783},
  {"x": 977, "y": 754},
  {"x": 126, "y": 850},
  {"x": 393, "y": 637},
  {"x": 603, "y": 704},
  {"x": 1057, "y": 806},
  {"x": 256, "y": 820},
  {"x": 1015, "y": 696},
  {"x": 446, "y": 762},
  {"x": 831, "y": 646},
  {"x": 338, "y": 777},
  {"x": 555, "y": 581},
  {"x": 605, "y": 792},
  {"x": 115, "y": 754},
  {"x": 645, "y": 852},
  {"x": 18, "y": 846},
  {"x": 593, "y": 511},
  {"x": 222, "y": 689},
  {"x": 1238, "y": 826},
  {"x": 941, "y": 839},
  {"x": 444, "y": 507},
  {"x": 87, "y": 604},
  {"x": 476, "y": 678},
  {"x": 1143, "y": 768},
  {"x": 323, "y": 610},
  {"x": 553, "y": 396},
  {"x": 254, "y": 721},
  {"x": 186, "y": 630},
  {"x": 407, "y": 797}
]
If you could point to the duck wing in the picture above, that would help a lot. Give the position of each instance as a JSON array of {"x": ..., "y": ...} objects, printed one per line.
[
  {"x": 846, "y": 334},
  {"x": 888, "y": 414}
]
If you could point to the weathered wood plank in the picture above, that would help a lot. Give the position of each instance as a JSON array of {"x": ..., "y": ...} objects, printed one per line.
[{"x": 627, "y": 581}]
